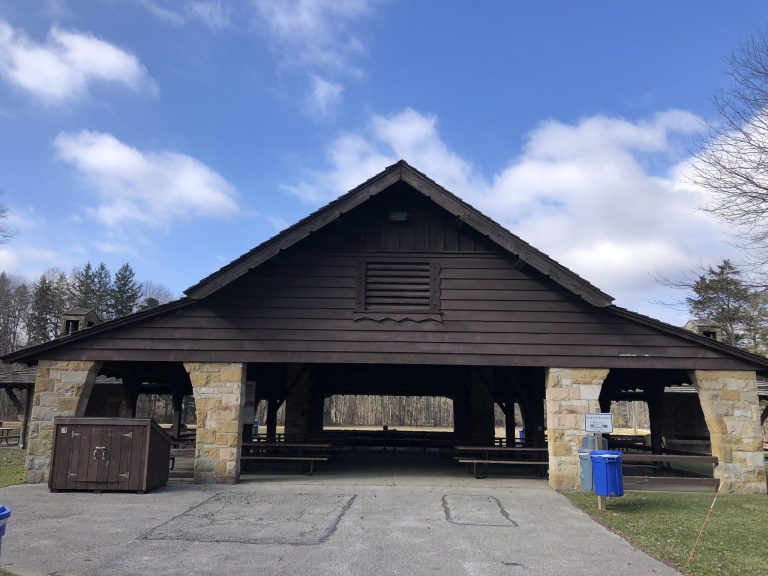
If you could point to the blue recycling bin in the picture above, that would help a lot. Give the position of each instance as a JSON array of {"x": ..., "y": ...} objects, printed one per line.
[
  {"x": 606, "y": 472},
  {"x": 522, "y": 434},
  {"x": 5, "y": 513}
]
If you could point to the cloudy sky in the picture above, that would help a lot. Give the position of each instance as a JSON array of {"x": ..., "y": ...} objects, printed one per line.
[{"x": 178, "y": 134}]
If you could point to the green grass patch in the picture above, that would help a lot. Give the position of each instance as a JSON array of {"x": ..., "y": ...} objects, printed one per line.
[
  {"x": 665, "y": 525},
  {"x": 11, "y": 467}
]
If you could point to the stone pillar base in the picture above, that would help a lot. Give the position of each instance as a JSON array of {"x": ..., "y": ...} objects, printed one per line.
[
  {"x": 571, "y": 393},
  {"x": 219, "y": 390},
  {"x": 732, "y": 412}
]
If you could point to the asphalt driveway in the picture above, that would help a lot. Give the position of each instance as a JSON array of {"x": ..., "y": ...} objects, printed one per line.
[{"x": 295, "y": 525}]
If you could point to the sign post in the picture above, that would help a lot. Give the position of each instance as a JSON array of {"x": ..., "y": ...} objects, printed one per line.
[{"x": 599, "y": 423}]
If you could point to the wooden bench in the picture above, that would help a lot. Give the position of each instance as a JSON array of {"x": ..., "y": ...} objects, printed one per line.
[
  {"x": 301, "y": 459},
  {"x": 186, "y": 452},
  {"x": 303, "y": 453},
  {"x": 484, "y": 464},
  {"x": 501, "y": 456}
]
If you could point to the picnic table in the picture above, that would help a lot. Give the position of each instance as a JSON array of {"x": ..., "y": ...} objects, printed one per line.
[
  {"x": 11, "y": 436},
  {"x": 482, "y": 456},
  {"x": 306, "y": 454}
]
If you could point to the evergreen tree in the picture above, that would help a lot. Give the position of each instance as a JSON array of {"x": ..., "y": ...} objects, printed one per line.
[
  {"x": 720, "y": 294},
  {"x": 102, "y": 292},
  {"x": 125, "y": 292},
  {"x": 43, "y": 323},
  {"x": 82, "y": 289}
]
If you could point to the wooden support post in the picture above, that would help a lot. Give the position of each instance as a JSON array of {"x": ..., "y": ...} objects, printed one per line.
[
  {"x": 602, "y": 503},
  {"x": 25, "y": 420},
  {"x": 178, "y": 401},
  {"x": 131, "y": 386},
  {"x": 655, "y": 400},
  {"x": 272, "y": 407}
]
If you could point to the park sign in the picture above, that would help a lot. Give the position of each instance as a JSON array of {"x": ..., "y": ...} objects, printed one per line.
[{"x": 600, "y": 423}]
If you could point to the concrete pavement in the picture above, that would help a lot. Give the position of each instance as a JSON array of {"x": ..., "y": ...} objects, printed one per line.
[{"x": 377, "y": 522}]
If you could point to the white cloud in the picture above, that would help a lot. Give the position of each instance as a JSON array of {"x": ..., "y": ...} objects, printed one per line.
[
  {"x": 63, "y": 67},
  {"x": 605, "y": 196},
  {"x": 324, "y": 96},
  {"x": 315, "y": 36},
  {"x": 212, "y": 13},
  {"x": 314, "y": 33},
  {"x": 146, "y": 187},
  {"x": 20, "y": 260}
]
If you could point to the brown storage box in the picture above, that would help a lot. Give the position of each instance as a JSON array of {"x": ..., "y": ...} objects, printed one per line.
[{"x": 114, "y": 454}]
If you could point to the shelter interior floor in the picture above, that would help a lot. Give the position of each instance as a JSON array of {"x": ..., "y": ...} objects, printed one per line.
[{"x": 392, "y": 468}]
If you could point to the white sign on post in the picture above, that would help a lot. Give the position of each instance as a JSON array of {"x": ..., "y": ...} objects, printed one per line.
[{"x": 599, "y": 423}]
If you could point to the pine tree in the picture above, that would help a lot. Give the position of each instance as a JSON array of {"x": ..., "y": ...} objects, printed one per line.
[
  {"x": 102, "y": 292},
  {"x": 43, "y": 322},
  {"x": 82, "y": 288},
  {"x": 125, "y": 292},
  {"x": 722, "y": 295}
]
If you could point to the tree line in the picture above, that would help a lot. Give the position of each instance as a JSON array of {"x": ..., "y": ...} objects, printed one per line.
[{"x": 31, "y": 311}]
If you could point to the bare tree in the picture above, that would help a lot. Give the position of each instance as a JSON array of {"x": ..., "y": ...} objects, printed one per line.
[
  {"x": 733, "y": 163},
  {"x": 5, "y": 231}
]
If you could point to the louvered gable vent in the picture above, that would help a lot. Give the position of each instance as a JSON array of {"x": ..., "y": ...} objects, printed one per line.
[{"x": 400, "y": 286}]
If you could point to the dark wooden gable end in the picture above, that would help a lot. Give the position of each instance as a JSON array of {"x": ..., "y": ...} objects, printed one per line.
[{"x": 397, "y": 278}]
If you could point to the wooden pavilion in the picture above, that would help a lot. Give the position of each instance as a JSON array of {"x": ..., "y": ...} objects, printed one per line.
[{"x": 399, "y": 287}]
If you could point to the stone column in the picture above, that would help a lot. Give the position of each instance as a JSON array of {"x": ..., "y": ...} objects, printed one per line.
[
  {"x": 61, "y": 389},
  {"x": 732, "y": 412},
  {"x": 571, "y": 393},
  {"x": 219, "y": 390}
]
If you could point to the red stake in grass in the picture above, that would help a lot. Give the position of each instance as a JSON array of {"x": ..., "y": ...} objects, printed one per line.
[{"x": 703, "y": 524}]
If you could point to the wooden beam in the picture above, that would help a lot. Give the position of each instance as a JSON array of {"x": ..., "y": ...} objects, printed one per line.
[{"x": 15, "y": 402}]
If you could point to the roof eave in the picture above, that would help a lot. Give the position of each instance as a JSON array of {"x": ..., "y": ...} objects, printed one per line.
[
  {"x": 31, "y": 354},
  {"x": 756, "y": 359}
]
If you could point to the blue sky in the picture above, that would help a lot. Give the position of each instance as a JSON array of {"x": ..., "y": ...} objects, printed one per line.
[{"x": 177, "y": 135}]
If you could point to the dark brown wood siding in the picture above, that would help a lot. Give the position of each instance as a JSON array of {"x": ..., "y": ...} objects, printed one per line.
[{"x": 301, "y": 308}]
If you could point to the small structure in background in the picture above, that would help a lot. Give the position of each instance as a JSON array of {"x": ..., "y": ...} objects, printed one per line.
[
  {"x": 705, "y": 327},
  {"x": 77, "y": 319}
]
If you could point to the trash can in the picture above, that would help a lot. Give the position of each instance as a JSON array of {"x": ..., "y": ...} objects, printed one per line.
[
  {"x": 522, "y": 434},
  {"x": 606, "y": 472},
  {"x": 593, "y": 443},
  {"x": 5, "y": 513},
  {"x": 585, "y": 470}
]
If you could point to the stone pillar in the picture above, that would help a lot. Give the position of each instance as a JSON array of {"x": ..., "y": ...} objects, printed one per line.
[
  {"x": 481, "y": 406},
  {"x": 571, "y": 393},
  {"x": 732, "y": 412},
  {"x": 298, "y": 403},
  {"x": 61, "y": 389},
  {"x": 219, "y": 390}
]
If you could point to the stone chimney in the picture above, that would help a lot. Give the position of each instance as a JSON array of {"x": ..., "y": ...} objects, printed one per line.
[
  {"x": 76, "y": 319},
  {"x": 705, "y": 327}
]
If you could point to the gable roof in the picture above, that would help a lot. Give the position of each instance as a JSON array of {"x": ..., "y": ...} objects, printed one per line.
[
  {"x": 402, "y": 171},
  {"x": 398, "y": 172}
]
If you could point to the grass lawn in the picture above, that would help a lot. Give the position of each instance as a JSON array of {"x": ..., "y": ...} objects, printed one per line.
[
  {"x": 665, "y": 525},
  {"x": 11, "y": 467}
]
